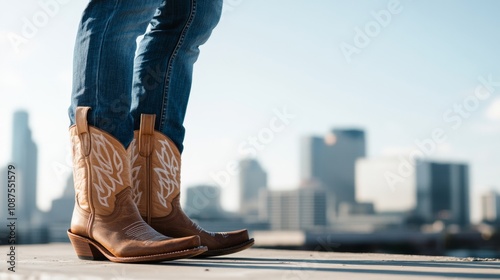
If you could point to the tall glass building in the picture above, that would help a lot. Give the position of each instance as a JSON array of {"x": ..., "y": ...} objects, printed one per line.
[
  {"x": 252, "y": 180},
  {"x": 443, "y": 192},
  {"x": 331, "y": 160}
]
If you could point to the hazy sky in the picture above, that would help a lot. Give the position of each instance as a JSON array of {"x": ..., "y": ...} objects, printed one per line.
[{"x": 275, "y": 70}]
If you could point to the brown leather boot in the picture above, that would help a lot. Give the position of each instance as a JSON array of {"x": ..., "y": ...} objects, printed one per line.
[
  {"x": 156, "y": 169},
  {"x": 106, "y": 222}
]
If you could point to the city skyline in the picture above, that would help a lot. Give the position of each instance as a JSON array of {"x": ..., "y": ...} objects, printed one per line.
[
  {"x": 266, "y": 75},
  {"x": 440, "y": 191},
  {"x": 312, "y": 146}
]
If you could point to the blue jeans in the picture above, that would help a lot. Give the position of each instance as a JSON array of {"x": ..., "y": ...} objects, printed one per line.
[{"x": 120, "y": 80}]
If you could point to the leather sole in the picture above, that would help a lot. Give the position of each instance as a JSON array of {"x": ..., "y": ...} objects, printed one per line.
[
  {"x": 226, "y": 251},
  {"x": 88, "y": 249}
]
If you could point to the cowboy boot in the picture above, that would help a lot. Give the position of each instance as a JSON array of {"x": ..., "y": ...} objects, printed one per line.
[
  {"x": 156, "y": 169},
  {"x": 106, "y": 223}
]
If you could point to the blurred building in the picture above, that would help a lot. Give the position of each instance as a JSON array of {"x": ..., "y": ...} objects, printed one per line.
[
  {"x": 58, "y": 219},
  {"x": 388, "y": 182},
  {"x": 331, "y": 161},
  {"x": 490, "y": 207},
  {"x": 357, "y": 208},
  {"x": 30, "y": 224},
  {"x": 3, "y": 193},
  {"x": 369, "y": 222},
  {"x": 203, "y": 205},
  {"x": 3, "y": 205},
  {"x": 25, "y": 160},
  {"x": 299, "y": 209},
  {"x": 203, "y": 201},
  {"x": 252, "y": 180},
  {"x": 443, "y": 192}
]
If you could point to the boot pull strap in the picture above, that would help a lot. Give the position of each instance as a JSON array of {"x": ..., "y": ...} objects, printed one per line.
[
  {"x": 82, "y": 128},
  {"x": 146, "y": 134}
]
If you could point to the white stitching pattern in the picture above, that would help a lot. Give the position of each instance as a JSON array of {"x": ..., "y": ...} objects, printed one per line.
[
  {"x": 167, "y": 172},
  {"x": 135, "y": 171},
  {"x": 108, "y": 169}
]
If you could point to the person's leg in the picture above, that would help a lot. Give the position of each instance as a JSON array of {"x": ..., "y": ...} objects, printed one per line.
[
  {"x": 103, "y": 62},
  {"x": 106, "y": 223},
  {"x": 164, "y": 64},
  {"x": 162, "y": 83}
]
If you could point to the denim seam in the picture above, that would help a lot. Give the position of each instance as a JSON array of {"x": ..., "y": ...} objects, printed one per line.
[
  {"x": 98, "y": 72},
  {"x": 171, "y": 60}
]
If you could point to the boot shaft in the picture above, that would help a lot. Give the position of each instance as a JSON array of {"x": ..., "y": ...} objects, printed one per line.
[
  {"x": 156, "y": 168},
  {"x": 101, "y": 168}
]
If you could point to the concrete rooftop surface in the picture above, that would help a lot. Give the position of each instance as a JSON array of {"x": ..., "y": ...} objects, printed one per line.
[{"x": 58, "y": 261}]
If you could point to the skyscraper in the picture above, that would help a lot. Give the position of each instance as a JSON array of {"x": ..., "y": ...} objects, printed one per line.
[
  {"x": 443, "y": 192},
  {"x": 58, "y": 219},
  {"x": 62, "y": 207},
  {"x": 303, "y": 208},
  {"x": 252, "y": 180},
  {"x": 375, "y": 184},
  {"x": 3, "y": 195},
  {"x": 25, "y": 159},
  {"x": 331, "y": 161},
  {"x": 490, "y": 207}
]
